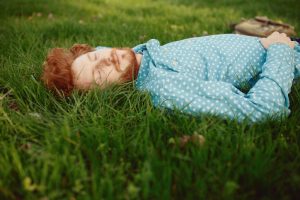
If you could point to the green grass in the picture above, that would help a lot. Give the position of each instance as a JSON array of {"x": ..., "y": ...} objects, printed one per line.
[{"x": 114, "y": 144}]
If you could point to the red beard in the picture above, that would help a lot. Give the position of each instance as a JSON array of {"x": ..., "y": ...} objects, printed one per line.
[{"x": 132, "y": 69}]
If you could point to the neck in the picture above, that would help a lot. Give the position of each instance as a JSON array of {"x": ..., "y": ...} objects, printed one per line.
[{"x": 138, "y": 59}]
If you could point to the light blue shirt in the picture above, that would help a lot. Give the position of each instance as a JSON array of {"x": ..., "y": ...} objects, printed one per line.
[{"x": 208, "y": 74}]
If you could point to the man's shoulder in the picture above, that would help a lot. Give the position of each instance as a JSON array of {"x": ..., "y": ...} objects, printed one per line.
[{"x": 212, "y": 38}]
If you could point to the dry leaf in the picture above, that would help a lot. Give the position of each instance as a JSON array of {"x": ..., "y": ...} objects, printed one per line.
[
  {"x": 50, "y": 16},
  {"x": 195, "y": 139}
]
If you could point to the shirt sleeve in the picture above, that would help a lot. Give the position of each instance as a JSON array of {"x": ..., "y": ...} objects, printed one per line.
[{"x": 268, "y": 98}]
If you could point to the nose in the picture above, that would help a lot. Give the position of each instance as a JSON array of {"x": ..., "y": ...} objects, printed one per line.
[{"x": 121, "y": 54}]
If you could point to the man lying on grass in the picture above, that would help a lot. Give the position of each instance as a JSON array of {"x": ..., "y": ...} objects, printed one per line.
[{"x": 196, "y": 75}]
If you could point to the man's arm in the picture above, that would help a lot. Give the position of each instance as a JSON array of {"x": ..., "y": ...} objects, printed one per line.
[{"x": 267, "y": 98}]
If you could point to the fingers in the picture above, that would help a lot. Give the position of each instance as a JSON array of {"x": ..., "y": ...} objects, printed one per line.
[
  {"x": 274, "y": 34},
  {"x": 277, "y": 34},
  {"x": 292, "y": 44},
  {"x": 287, "y": 39},
  {"x": 277, "y": 37},
  {"x": 284, "y": 34}
]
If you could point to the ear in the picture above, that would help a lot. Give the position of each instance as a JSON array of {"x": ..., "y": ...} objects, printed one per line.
[{"x": 79, "y": 49}]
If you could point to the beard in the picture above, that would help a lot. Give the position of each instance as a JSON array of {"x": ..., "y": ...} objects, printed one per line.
[{"x": 131, "y": 69}]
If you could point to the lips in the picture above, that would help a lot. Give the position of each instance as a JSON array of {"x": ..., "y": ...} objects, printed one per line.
[{"x": 116, "y": 59}]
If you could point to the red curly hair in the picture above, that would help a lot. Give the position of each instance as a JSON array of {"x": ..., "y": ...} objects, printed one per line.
[{"x": 57, "y": 75}]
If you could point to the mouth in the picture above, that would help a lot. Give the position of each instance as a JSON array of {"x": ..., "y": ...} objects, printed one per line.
[{"x": 116, "y": 59}]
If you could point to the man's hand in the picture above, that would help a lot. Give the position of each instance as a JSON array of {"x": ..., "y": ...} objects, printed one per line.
[{"x": 276, "y": 37}]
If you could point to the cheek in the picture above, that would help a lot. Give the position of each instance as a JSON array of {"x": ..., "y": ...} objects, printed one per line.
[
  {"x": 115, "y": 76},
  {"x": 111, "y": 74},
  {"x": 124, "y": 64}
]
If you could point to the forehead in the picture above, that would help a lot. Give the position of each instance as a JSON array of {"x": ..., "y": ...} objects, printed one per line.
[{"x": 87, "y": 57}]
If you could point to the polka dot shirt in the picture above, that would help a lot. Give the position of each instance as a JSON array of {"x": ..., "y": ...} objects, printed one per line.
[{"x": 227, "y": 75}]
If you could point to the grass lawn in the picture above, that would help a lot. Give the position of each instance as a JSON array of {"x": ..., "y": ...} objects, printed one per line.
[{"x": 114, "y": 144}]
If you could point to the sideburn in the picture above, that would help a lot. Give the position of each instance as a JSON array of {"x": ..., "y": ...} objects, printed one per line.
[{"x": 132, "y": 69}]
